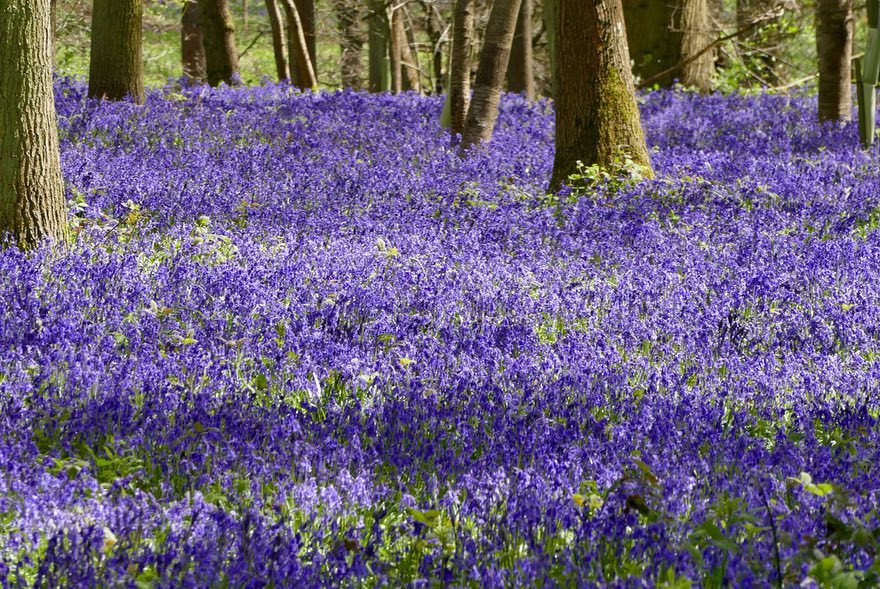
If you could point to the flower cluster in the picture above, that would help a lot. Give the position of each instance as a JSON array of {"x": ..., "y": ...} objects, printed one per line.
[{"x": 298, "y": 341}]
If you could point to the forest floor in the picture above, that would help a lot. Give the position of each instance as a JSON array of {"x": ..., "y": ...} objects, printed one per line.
[{"x": 298, "y": 341}]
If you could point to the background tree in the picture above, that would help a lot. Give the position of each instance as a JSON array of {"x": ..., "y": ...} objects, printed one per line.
[
  {"x": 279, "y": 40},
  {"x": 521, "y": 70},
  {"x": 351, "y": 43},
  {"x": 696, "y": 34},
  {"x": 302, "y": 68},
  {"x": 597, "y": 119},
  {"x": 192, "y": 51},
  {"x": 32, "y": 204},
  {"x": 494, "y": 58},
  {"x": 218, "y": 37},
  {"x": 115, "y": 66},
  {"x": 834, "y": 34}
]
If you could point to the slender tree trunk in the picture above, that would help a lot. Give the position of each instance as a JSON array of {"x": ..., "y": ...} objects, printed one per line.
[
  {"x": 244, "y": 15},
  {"x": 306, "y": 10},
  {"x": 380, "y": 76},
  {"x": 279, "y": 40},
  {"x": 597, "y": 119},
  {"x": 521, "y": 71},
  {"x": 347, "y": 18},
  {"x": 303, "y": 72},
  {"x": 115, "y": 67},
  {"x": 218, "y": 37},
  {"x": 434, "y": 29},
  {"x": 489, "y": 82},
  {"x": 32, "y": 204},
  {"x": 696, "y": 34},
  {"x": 834, "y": 34},
  {"x": 191, "y": 49},
  {"x": 550, "y": 25},
  {"x": 458, "y": 97},
  {"x": 409, "y": 59},
  {"x": 395, "y": 52}
]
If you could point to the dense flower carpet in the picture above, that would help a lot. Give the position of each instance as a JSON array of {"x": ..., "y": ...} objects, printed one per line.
[{"x": 297, "y": 341}]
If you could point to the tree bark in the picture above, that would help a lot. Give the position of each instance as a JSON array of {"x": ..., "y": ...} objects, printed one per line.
[
  {"x": 395, "y": 52},
  {"x": 409, "y": 62},
  {"x": 279, "y": 40},
  {"x": 458, "y": 97},
  {"x": 32, "y": 206},
  {"x": 521, "y": 71},
  {"x": 550, "y": 25},
  {"x": 597, "y": 119},
  {"x": 380, "y": 76},
  {"x": 306, "y": 10},
  {"x": 54, "y": 23},
  {"x": 696, "y": 25},
  {"x": 434, "y": 29},
  {"x": 489, "y": 82},
  {"x": 303, "y": 72},
  {"x": 347, "y": 18},
  {"x": 218, "y": 36},
  {"x": 115, "y": 66},
  {"x": 192, "y": 50},
  {"x": 834, "y": 34}
]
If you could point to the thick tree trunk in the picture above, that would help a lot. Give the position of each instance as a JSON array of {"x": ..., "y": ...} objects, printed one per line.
[
  {"x": 191, "y": 49},
  {"x": 279, "y": 40},
  {"x": 834, "y": 34},
  {"x": 458, "y": 97},
  {"x": 54, "y": 21},
  {"x": 489, "y": 82},
  {"x": 696, "y": 23},
  {"x": 347, "y": 18},
  {"x": 302, "y": 70},
  {"x": 218, "y": 37},
  {"x": 380, "y": 76},
  {"x": 521, "y": 71},
  {"x": 115, "y": 67},
  {"x": 597, "y": 119},
  {"x": 32, "y": 204}
]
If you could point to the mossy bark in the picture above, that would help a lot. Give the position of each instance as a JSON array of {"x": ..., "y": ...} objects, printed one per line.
[
  {"x": 597, "y": 118},
  {"x": 32, "y": 204},
  {"x": 192, "y": 51},
  {"x": 218, "y": 37},
  {"x": 489, "y": 82},
  {"x": 834, "y": 35},
  {"x": 115, "y": 66}
]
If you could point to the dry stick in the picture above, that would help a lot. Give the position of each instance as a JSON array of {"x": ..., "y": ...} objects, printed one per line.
[
  {"x": 806, "y": 79},
  {"x": 254, "y": 42},
  {"x": 656, "y": 77}
]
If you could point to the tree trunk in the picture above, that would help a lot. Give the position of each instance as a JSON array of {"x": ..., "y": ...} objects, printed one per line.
[
  {"x": 54, "y": 24},
  {"x": 550, "y": 25},
  {"x": 191, "y": 49},
  {"x": 834, "y": 34},
  {"x": 380, "y": 76},
  {"x": 597, "y": 119},
  {"x": 244, "y": 15},
  {"x": 218, "y": 36},
  {"x": 306, "y": 10},
  {"x": 347, "y": 18},
  {"x": 32, "y": 206},
  {"x": 695, "y": 24},
  {"x": 409, "y": 60},
  {"x": 115, "y": 67},
  {"x": 521, "y": 71},
  {"x": 489, "y": 82},
  {"x": 395, "y": 52},
  {"x": 434, "y": 29},
  {"x": 303, "y": 72},
  {"x": 279, "y": 40},
  {"x": 459, "y": 95}
]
